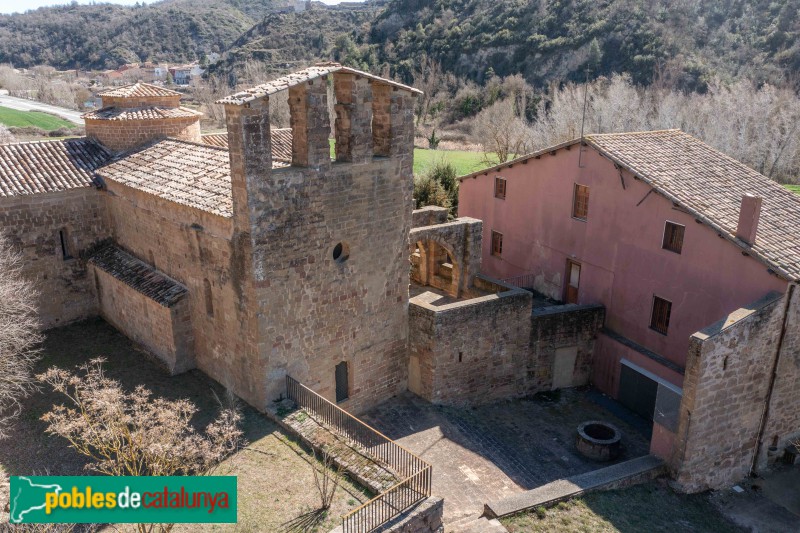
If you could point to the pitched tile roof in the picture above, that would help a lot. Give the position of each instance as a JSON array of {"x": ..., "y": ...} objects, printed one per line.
[
  {"x": 141, "y": 113},
  {"x": 710, "y": 185},
  {"x": 215, "y": 139},
  {"x": 139, "y": 276},
  {"x": 138, "y": 90},
  {"x": 281, "y": 143},
  {"x": 192, "y": 174},
  {"x": 49, "y": 166},
  {"x": 301, "y": 76}
]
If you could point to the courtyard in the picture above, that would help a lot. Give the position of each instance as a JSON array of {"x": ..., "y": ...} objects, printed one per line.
[{"x": 489, "y": 452}]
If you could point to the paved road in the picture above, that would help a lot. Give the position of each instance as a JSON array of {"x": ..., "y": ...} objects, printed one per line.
[{"x": 29, "y": 105}]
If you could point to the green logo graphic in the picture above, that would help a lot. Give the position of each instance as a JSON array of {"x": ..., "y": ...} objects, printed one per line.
[{"x": 120, "y": 500}]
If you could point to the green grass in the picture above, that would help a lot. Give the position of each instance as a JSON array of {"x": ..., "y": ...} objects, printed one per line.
[
  {"x": 21, "y": 119},
  {"x": 463, "y": 161},
  {"x": 793, "y": 188},
  {"x": 651, "y": 507}
]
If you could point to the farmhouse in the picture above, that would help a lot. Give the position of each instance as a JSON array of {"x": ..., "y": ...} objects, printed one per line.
[{"x": 663, "y": 272}]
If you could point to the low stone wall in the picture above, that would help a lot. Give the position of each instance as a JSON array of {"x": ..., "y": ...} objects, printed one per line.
[
  {"x": 561, "y": 346},
  {"x": 163, "y": 331},
  {"x": 470, "y": 351},
  {"x": 726, "y": 388},
  {"x": 428, "y": 216}
]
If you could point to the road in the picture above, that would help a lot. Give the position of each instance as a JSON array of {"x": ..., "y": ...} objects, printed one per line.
[{"x": 21, "y": 104}]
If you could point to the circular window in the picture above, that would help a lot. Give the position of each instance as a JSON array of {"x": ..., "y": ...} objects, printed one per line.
[{"x": 341, "y": 252}]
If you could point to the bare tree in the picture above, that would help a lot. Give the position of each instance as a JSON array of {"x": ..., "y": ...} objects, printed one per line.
[
  {"x": 501, "y": 131},
  {"x": 5, "y": 135},
  {"x": 326, "y": 478},
  {"x": 19, "y": 334}
]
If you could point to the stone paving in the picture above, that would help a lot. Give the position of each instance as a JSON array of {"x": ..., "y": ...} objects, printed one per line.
[{"x": 493, "y": 451}]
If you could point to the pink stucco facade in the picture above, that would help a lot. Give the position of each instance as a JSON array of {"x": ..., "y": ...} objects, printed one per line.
[{"x": 619, "y": 249}]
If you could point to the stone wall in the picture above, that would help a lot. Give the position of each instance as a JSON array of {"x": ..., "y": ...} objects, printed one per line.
[
  {"x": 315, "y": 308},
  {"x": 455, "y": 244},
  {"x": 32, "y": 223},
  {"x": 121, "y": 135},
  {"x": 428, "y": 216},
  {"x": 562, "y": 341},
  {"x": 163, "y": 331},
  {"x": 726, "y": 385},
  {"x": 470, "y": 351}
]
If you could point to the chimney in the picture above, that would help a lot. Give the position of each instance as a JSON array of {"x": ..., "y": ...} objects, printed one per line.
[{"x": 748, "y": 218}]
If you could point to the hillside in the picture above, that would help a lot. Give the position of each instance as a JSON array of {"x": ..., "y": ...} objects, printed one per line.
[
  {"x": 105, "y": 35},
  {"x": 686, "y": 41}
]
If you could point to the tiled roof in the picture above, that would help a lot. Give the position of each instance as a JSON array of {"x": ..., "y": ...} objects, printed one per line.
[
  {"x": 281, "y": 143},
  {"x": 710, "y": 185},
  {"x": 141, "y": 113},
  {"x": 49, "y": 166},
  {"x": 301, "y": 76},
  {"x": 138, "y": 90},
  {"x": 192, "y": 174},
  {"x": 139, "y": 276},
  {"x": 215, "y": 139}
]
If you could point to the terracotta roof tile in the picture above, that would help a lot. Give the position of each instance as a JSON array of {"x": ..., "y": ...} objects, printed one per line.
[
  {"x": 281, "y": 143},
  {"x": 141, "y": 113},
  {"x": 138, "y": 90},
  {"x": 219, "y": 140},
  {"x": 301, "y": 76},
  {"x": 710, "y": 185},
  {"x": 139, "y": 276},
  {"x": 187, "y": 173},
  {"x": 49, "y": 166}
]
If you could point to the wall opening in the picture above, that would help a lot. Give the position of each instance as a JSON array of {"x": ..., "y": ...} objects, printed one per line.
[
  {"x": 66, "y": 249},
  {"x": 209, "y": 297},
  {"x": 342, "y": 382},
  {"x": 341, "y": 252}
]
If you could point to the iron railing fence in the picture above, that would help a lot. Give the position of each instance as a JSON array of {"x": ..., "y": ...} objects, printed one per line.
[
  {"x": 415, "y": 473},
  {"x": 523, "y": 281}
]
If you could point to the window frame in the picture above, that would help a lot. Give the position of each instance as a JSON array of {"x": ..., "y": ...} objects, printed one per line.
[
  {"x": 653, "y": 322},
  {"x": 664, "y": 243},
  {"x": 585, "y": 216},
  {"x": 499, "y": 236},
  {"x": 500, "y": 180}
]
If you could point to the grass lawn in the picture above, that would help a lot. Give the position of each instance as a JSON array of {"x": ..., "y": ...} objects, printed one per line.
[
  {"x": 276, "y": 490},
  {"x": 651, "y": 507},
  {"x": 21, "y": 119},
  {"x": 793, "y": 188}
]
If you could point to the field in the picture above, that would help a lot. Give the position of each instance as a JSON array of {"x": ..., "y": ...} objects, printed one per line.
[
  {"x": 21, "y": 119},
  {"x": 652, "y": 507},
  {"x": 793, "y": 188}
]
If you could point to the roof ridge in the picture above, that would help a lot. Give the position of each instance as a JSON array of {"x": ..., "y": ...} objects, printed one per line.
[
  {"x": 668, "y": 130},
  {"x": 43, "y": 141}
]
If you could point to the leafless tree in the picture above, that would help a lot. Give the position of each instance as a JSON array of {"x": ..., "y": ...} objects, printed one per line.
[
  {"x": 501, "y": 131},
  {"x": 19, "y": 334},
  {"x": 5, "y": 135},
  {"x": 326, "y": 478},
  {"x": 428, "y": 78}
]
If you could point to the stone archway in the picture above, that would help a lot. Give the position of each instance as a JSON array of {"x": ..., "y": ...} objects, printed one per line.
[{"x": 433, "y": 264}]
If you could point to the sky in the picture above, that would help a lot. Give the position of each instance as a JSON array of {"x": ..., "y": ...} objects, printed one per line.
[{"x": 19, "y": 6}]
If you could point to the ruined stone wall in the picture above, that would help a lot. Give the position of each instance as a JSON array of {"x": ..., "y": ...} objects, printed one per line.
[
  {"x": 163, "y": 331},
  {"x": 567, "y": 333},
  {"x": 32, "y": 224},
  {"x": 782, "y": 426},
  {"x": 470, "y": 351},
  {"x": 428, "y": 216},
  {"x": 192, "y": 247},
  {"x": 313, "y": 310},
  {"x": 724, "y": 392},
  {"x": 121, "y": 135}
]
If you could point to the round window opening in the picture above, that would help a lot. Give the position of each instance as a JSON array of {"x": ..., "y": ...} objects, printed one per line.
[{"x": 341, "y": 252}]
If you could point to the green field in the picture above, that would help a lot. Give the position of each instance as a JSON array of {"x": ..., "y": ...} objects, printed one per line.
[
  {"x": 21, "y": 119},
  {"x": 793, "y": 188}
]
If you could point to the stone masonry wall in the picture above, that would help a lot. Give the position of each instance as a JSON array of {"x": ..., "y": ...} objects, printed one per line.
[
  {"x": 122, "y": 135},
  {"x": 471, "y": 351},
  {"x": 461, "y": 238},
  {"x": 32, "y": 224},
  {"x": 162, "y": 331},
  {"x": 727, "y": 378},
  {"x": 562, "y": 327},
  {"x": 192, "y": 247},
  {"x": 428, "y": 216}
]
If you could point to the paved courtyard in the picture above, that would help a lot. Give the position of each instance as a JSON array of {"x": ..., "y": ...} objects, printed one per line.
[{"x": 484, "y": 453}]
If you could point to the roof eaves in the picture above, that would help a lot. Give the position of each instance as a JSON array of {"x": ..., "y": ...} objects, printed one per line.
[{"x": 520, "y": 159}]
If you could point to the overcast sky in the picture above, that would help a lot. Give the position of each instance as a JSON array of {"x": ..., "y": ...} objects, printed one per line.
[{"x": 19, "y": 6}]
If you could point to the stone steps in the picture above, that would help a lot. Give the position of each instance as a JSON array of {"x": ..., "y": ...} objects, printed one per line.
[{"x": 619, "y": 475}]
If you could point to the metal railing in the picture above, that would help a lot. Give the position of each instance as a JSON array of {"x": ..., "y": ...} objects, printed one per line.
[
  {"x": 523, "y": 281},
  {"x": 416, "y": 474}
]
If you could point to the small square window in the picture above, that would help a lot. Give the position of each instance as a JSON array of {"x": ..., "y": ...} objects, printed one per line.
[
  {"x": 580, "y": 202},
  {"x": 497, "y": 243},
  {"x": 659, "y": 321},
  {"x": 673, "y": 237},
  {"x": 500, "y": 188}
]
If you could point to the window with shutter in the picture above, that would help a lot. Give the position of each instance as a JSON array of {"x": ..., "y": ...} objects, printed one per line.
[
  {"x": 659, "y": 321},
  {"x": 673, "y": 237},
  {"x": 580, "y": 202}
]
